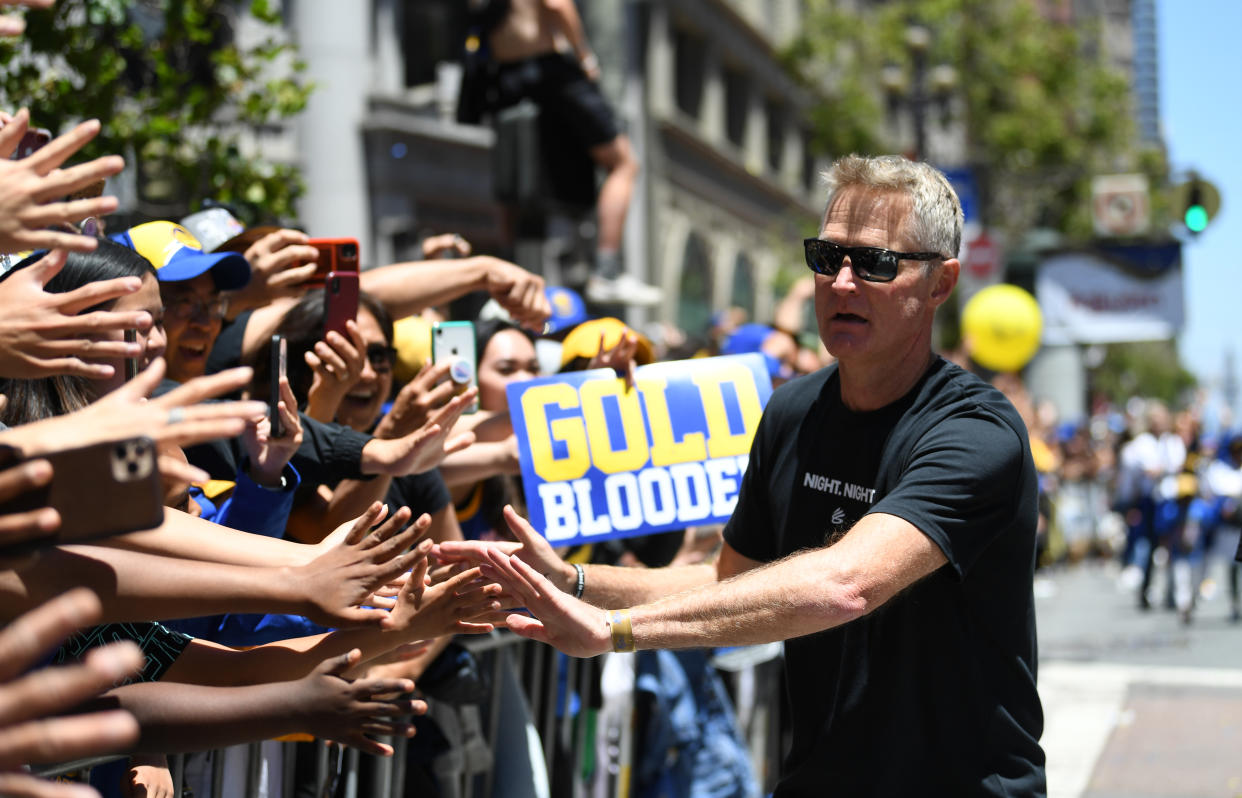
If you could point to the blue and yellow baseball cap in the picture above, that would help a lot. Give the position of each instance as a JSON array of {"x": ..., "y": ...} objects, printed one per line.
[
  {"x": 568, "y": 309},
  {"x": 177, "y": 255}
]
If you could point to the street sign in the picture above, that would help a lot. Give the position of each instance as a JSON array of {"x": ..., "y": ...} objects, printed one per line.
[
  {"x": 1120, "y": 205},
  {"x": 982, "y": 257}
]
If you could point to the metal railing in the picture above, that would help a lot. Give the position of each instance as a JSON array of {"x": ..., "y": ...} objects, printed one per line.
[{"x": 560, "y": 694}]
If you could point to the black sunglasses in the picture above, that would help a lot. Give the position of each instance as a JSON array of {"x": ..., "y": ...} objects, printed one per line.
[
  {"x": 873, "y": 264},
  {"x": 382, "y": 357}
]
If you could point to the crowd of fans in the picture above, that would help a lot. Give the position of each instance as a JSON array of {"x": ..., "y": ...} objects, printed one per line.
[
  {"x": 295, "y": 584},
  {"x": 1144, "y": 487},
  {"x": 299, "y": 582}
]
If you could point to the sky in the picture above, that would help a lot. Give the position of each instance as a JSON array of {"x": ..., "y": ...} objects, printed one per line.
[{"x": 1201, "y": 113}]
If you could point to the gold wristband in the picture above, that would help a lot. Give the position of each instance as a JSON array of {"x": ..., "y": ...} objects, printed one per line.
[{"x": 622, "y": 631}]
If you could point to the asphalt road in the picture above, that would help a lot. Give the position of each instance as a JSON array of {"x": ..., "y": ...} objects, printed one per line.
[{"x": 1137, "y": 704}]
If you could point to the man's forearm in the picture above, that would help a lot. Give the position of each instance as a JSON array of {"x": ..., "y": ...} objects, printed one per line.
[
  {"x": 610, "y": 586},
  {"x": 785, "y": 599},
  {"x": 411, "y": 287}
]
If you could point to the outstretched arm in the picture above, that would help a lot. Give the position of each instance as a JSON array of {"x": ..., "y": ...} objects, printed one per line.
[
  {"x": 187, "y": 717},
  {"x": 801, "y": 594},
  {"x": 605, "y": 585},
  {"x": 411, "y": 287},
  {"x": 135, "y": 586}
]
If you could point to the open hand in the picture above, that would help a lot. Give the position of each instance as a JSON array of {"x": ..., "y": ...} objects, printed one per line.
[
  {"x": 32, "y": 189},
  {"x": 351, "y": 712},
  {"x": 42, "y": 333},
  {"x": 337, "y": 582},
  {"x": 532, "y": 547}
]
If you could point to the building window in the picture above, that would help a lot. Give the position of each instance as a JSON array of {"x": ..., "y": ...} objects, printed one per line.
[
  {"x": 688, "y": 65},
  {"x": 810, "y": 172},
  {"x": 694, "y": 301},
  {"x": 737, "y": 106},
  {"x": 743, "y": 294},
  {"x": 775, "y": 113}
]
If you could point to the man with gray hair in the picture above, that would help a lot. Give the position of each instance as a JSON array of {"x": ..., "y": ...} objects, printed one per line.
[{"x": 885, "y": 529}]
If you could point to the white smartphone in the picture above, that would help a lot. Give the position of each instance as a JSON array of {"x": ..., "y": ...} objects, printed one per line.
[{"x": 453, "y": 342}]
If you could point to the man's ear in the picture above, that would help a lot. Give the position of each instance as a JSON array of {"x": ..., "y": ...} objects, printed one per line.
[{"x": 945, "y": 278}]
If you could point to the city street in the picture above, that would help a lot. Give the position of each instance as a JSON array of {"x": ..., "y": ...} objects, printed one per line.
[{"x": 1135, "y": 703}]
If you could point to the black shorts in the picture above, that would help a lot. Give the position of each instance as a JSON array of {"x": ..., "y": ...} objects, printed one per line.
[{"x": 565, "y": 96}]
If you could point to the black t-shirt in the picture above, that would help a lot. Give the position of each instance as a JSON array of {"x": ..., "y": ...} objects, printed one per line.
[
  {"x": 422, "y": 493},
  {"x": 934, "y": 692}
]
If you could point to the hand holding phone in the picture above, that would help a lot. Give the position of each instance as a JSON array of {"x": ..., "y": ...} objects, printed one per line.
[
  {"x": 32, "y": 140},
  {"x": 100, "y": 490},
  {"x": 335, "y": 255},
  {"x": 279, "y": 369},
  {"x": 340, "y": 301},
  {"x": 453, "y": 342}
]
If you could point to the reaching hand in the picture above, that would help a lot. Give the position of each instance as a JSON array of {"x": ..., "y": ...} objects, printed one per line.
[
  {"x": 337, "y": 582},
  {"x": 180, "y": 417},
  {"x": 518, "y": 291},
  {"x": 42, "y": 335},
  {"x": 446, "y": 245},
  {"x": 23, "y": 527},
  {"x": 281, "y": 263},
  {"x": 532, "y": 547},
  {"x": 560, "y": 620},
  {"x": 417, "y": 400},
  {"x": 336, "y": 363},
  {"x": 148, "y": 777},
  {"x": 620, "y": 358},
  {"x": 449, "y": 607},
  {"x": 268, "y": 455},
  {"x": 335, "y": 708},
  {"x": 423, "y": 449},
  {"x": 28, "y": 732},
  {"x": 32, "y": 189}
]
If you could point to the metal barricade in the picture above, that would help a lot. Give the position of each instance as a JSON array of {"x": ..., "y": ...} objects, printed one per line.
[{"x": 559, "y": 694}]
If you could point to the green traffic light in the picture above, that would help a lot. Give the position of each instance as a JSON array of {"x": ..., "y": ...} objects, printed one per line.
[{"x": 1196, "y": 218}]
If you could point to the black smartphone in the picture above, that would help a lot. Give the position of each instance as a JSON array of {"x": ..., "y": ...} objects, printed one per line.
[
  {"x": 131, "y": 363},
  {"x": 99, "y": 490},
  {"x": 280, "y": 363}
]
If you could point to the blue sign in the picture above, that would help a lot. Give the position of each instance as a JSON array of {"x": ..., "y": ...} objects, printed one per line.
[
  {"x": 963, "y": 182},
  {"x": 602, "y": 461}
]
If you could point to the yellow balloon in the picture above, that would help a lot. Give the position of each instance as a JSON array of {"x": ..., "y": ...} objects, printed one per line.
[{"x": 1002, "y": 324}]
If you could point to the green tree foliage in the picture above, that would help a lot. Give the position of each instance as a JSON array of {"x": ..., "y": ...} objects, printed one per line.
[
  {"x": 1040, "y": 108},
  {"x": 1149, "y": 369},
  {"x": 174, "y": 91}
]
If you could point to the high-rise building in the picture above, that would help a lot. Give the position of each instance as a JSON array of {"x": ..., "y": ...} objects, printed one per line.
[{"x": 1146, "y": 76}]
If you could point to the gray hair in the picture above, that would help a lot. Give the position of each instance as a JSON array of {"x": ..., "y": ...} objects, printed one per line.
[{"x": 935, "y": 220}]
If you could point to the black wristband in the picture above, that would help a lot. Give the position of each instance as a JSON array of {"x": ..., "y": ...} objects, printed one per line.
[{"x": 581, "y": 580}]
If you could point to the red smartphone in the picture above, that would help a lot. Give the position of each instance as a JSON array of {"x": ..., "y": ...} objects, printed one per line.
[
  {"x": 32, "y": 140},
  {"x": 335, "y": 255},
  {"x": 340, "y": 301}
]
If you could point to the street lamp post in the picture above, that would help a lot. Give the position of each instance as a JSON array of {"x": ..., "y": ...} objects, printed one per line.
[{"x": 922, "y": 89}]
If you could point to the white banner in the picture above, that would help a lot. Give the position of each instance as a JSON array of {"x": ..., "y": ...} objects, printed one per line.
[{"x": 1085, "y": 299}]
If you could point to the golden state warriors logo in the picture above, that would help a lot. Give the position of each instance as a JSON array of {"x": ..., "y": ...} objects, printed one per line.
[
  {"x": 159, "y": 242},
  {"x": 562, "y": 305}
]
